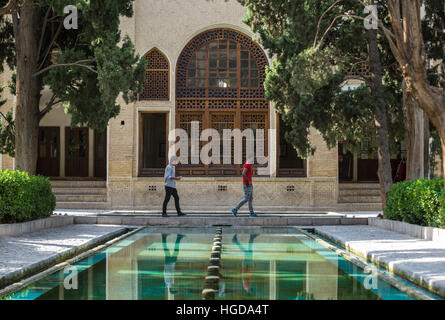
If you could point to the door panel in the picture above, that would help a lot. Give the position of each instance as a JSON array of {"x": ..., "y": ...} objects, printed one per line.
[
  {"x": 76, "y": 154},
  {"x": 100, "y": 154},
  {"x": 48, "y": 161}
]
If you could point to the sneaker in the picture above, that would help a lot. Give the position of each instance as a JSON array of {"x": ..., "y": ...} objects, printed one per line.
[
  {"x": 165, "y": 215},
  {"x": 181, "y": 214},
  {"x": 253, "y": 215},
  {"x": 234, "y": 213}
]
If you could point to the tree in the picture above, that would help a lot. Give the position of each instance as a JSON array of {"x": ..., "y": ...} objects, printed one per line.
[
  {"x": 407, "y": 44},
  {"x": 7, "y": 133},
  {"x": 419, "y": 159},
  {"x": 316, "y": 43},
  {"x": 85, "y": 68}
]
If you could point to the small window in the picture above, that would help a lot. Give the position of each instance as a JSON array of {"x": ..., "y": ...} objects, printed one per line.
[{"x": 157, "y": 76}]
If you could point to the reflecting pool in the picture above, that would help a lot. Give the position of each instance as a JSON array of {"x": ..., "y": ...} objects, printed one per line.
[{"x": 164, "y": 263}]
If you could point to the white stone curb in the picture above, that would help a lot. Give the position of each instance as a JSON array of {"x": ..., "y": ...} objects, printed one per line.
[
  {"x": 424, "y": 233},
  {"x": 17, "y": 229}
]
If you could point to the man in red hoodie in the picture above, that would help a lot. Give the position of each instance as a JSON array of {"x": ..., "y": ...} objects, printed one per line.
[{"x": 247, "y": 187}]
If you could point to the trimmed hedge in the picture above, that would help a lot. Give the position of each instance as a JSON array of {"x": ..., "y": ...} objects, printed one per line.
[
  {"x": 24, "y": 197},
  {"x": 420, "y": 202}
]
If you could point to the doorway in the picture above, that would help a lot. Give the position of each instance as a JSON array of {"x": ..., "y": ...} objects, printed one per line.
[
  {"x": 100, "y": 154},
  {"x": 48, "y": 161},
  {"x": 76, "y": 152},
  {"x": 153, "y": 149}
]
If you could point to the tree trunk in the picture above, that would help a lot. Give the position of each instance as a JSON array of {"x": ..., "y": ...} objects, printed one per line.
[
  {"x": 407, "y": 45},
  {"x": 414, "y": 126},
  {"x": 426, "y": 145},
  {"x": 443, "y": 157},
  {"x": 26, "y": 32},
  {"x": 384, "y": 159}
]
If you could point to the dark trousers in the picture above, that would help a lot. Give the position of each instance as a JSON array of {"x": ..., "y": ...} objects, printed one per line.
[{"x": 169, "y": 191}]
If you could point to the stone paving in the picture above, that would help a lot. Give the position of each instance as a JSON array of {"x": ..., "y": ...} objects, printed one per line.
[
  {"x": 206, "y": 213},
  {"x": 419, "y": 260},
  {"x": 25, "y": 251}
]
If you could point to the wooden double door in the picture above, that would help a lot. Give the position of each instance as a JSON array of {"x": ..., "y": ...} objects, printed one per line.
[
  {"x": 48, "y": 161},
  {"x": 77, "y": 153}
]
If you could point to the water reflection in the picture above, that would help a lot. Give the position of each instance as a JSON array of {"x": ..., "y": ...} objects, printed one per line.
[
  {"x": 247, "y": 264},
  {"x": 170, "y": 262},
  {"x": 287, "y": 266}
]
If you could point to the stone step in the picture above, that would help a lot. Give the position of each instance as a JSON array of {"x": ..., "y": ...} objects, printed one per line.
[
  {"x": 348, "y": 186},
  {"x": 81, "y": 197},
  {"x": 359, "y": 199},
  {"x": 359, "y": 206},
  {"x": 360, "y": 192},
  {"x": 82, "y": 205},
  {"x": 78, "y": 184},
  {"x": 69, "y": 190}
]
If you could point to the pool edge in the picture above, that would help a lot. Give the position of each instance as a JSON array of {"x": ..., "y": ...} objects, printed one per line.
[
  {"x": 411, "y": 292},
  {"x": 34, "y": 272}
]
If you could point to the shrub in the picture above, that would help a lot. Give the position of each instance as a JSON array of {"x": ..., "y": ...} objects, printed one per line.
[
  {"x": 419, "y": 202},
  {"x": 24, "y": 197}
]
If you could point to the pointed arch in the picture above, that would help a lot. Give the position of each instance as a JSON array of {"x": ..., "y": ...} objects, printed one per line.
[
  {"x": 219, "y": 83},
  {"x": 157, "y": 86}
]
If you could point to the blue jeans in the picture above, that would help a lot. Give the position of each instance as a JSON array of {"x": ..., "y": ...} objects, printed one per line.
[{"x": 248, "y": 197}]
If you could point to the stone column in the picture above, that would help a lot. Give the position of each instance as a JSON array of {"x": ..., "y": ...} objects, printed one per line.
[
  {"x": 323, "y": 171},
  {"x": 120, "y": 143}
]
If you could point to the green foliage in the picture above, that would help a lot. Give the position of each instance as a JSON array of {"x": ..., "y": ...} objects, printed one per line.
[
  {"x": 24, "y": 197},
  {"x": 90, "y": 97},
  {"x": 7, "y": 49},
  {"x": 314, "y": 48},
  {"x": 7, "y": 133},
  {"x": 87, "y": 68},
  {"x": 434, "y": 37},
  {"x": 420, "y": 202}
]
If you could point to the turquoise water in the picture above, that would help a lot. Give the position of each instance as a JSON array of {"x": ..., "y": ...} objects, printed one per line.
[{"x": 162, "y": 263}]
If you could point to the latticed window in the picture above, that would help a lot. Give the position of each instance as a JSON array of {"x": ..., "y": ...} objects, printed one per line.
[
  {"x": 219, "y": 82},
  {"x": 222, "y": 64},
  {"x": 157, "y": 75}
]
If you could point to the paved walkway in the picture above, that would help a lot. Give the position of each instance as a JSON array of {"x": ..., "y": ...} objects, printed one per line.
[
  {"x": 30, "y": 250},
  {"x": 421, "y": 260},
  {"x": 204, "y": 213}
]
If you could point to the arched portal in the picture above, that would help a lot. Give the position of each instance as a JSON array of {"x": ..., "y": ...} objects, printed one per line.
[{"x": 219, "y": 83}]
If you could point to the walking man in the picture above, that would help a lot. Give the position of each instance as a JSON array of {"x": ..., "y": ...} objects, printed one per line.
[
  {"x": 247, "y": 187},
  {"x": 170, "y": 187}
]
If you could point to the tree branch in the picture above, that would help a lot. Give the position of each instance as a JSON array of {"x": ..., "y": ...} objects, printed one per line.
[
  {"x": 48, "y": 50},
  {"x": 52, "y": 102},
  {"x": 73, "y": 64},
  {"x": 321, "y": 18},
  {"x": 7, "y": 8},
  {"x": 45, "y": 22},
  {"x": 10, "y": 123}
]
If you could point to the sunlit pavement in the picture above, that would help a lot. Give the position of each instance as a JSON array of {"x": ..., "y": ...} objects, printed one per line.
[
  {"x": 219, "y": 213},
  {"x": 420, "y": 260}
]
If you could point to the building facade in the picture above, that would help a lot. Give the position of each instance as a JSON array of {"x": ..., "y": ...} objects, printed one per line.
[{"x": 203, "y": 66}]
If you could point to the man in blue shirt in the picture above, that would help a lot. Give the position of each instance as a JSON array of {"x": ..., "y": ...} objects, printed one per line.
[{"x": 170, "y": 187}]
